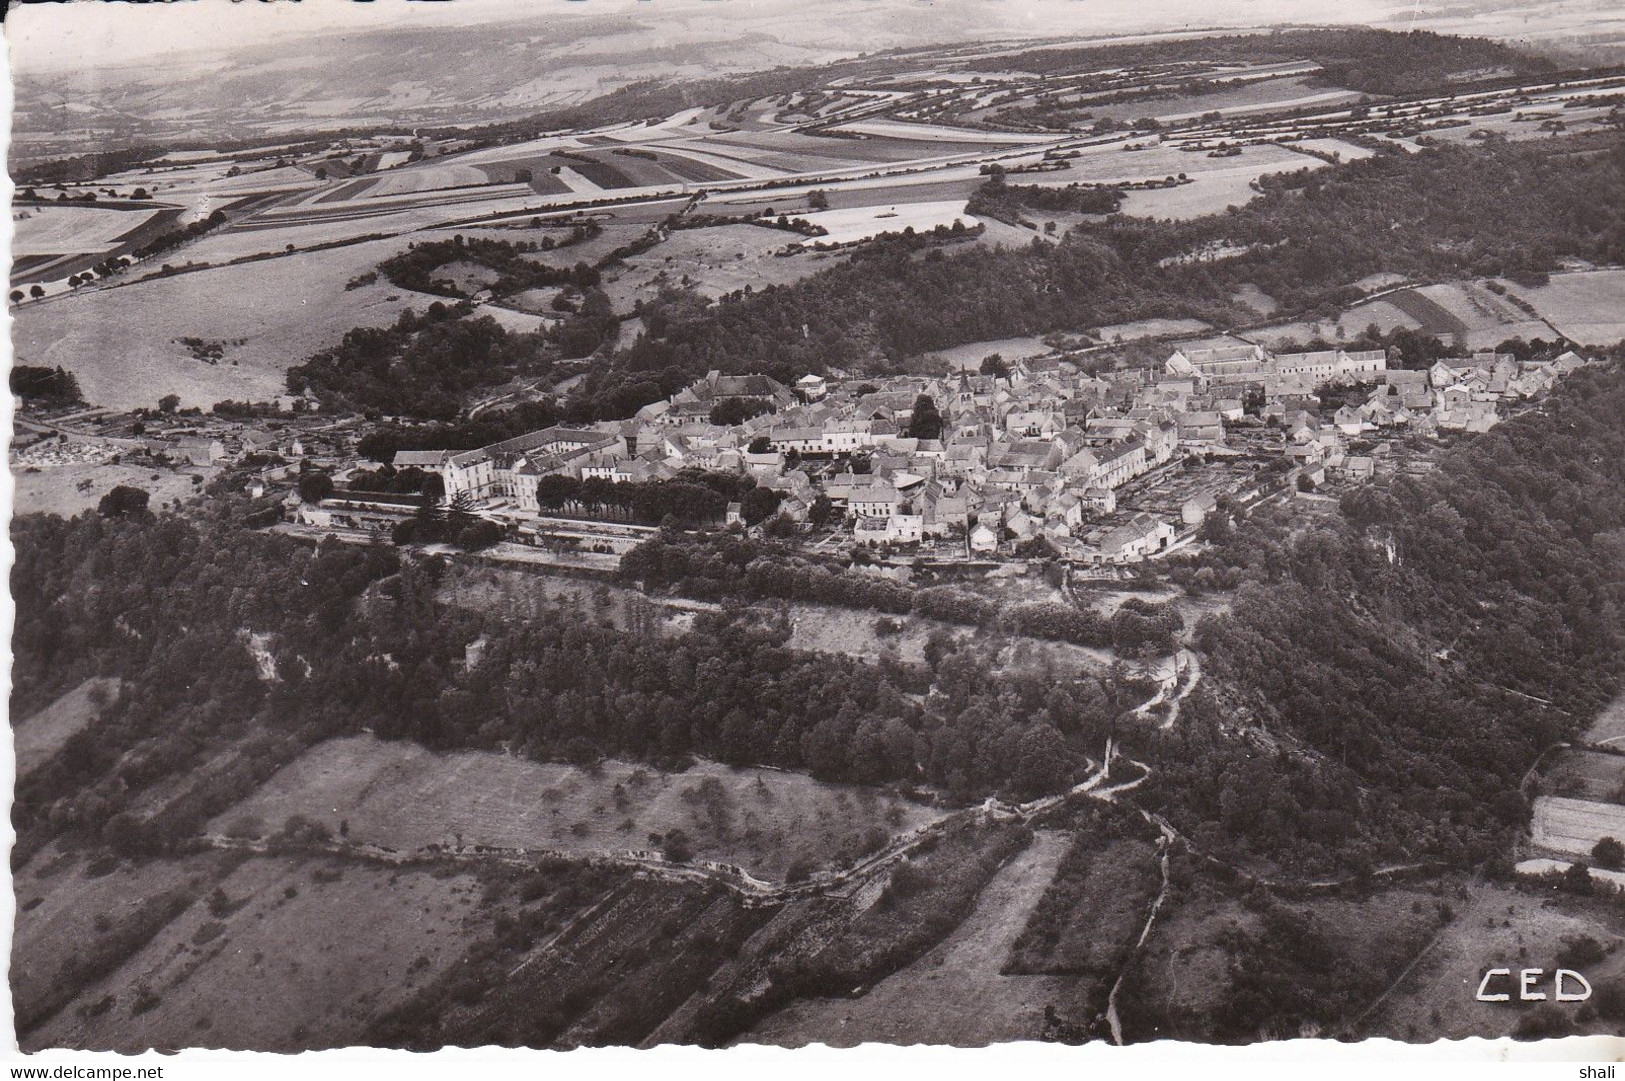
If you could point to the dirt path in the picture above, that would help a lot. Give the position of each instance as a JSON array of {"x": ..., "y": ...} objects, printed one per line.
[
  {"x": 955, "y": 994},
  {"x": 1112, "y": 1019}
]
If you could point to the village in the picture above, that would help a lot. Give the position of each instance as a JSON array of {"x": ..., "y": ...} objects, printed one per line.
[
  {"x": 1031, "y": 457},
  {"x": 1027, "y": 458}
]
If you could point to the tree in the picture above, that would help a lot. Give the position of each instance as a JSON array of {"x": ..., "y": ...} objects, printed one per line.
[
  {"x": 732, "y": 411},
  {"x": 36, "y": 291},
  {"x": 817, "y": 199},
  {"x": 822, "y": 512},
  {"x": 481, "y": 534},
  {"x": 1609, "y": 854},
  {"x": 169, "y": 403},
  {"x": 16, "y": 296},
  {"x": 124, "y": 502},
  {"x": 1577, "y": 879},
  {"x": 678, "y": 848},
  {"x": 315, "y": 487},
  {"x": 924, "y": 422},
  {"x": 993, "y": 364},
  {"x": 758, "y": 503},
  {"x": 556, "y": 490},
  {"x": 760, "y": 445}
]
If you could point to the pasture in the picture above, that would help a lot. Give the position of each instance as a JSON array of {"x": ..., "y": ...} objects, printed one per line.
[
  {"x": 1609, "y": 726},
  {"x": 76, "y": 487},
  {"x": 1585, "y": 775},
  {"x": 401, "y": 796},
  {"x": 969, "y": 357},
  {"x": 1503, "y": 926},
  {"x": 715, "y": 261},
  {"x": 305, "y": 952},
  {"x": 1151, "y": 328},
  {"x": 122, "y": 343}
]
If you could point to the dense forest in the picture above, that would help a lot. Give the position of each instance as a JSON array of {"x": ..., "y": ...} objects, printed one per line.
[
  {"x": 165, "y": 603},
  {"x": 1413, "y": 656}
]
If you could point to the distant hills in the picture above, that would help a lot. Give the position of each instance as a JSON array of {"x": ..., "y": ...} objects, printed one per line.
[{"x": 510, "y": 66}]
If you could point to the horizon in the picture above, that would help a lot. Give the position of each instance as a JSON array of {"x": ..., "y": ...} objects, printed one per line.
[{"x": 53, "y": 38}]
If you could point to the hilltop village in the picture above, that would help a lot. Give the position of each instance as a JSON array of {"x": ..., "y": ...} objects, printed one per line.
[{"x": 1027, "y": 458}]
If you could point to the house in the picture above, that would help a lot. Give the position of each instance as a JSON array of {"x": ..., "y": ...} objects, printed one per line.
[
  {"x": 200, "y": 450},
  {"x": 812, "y": 388},
  {"x": 1197, "y": 508},
  {"x": 428, "y": 460},
  {"x": 983, "y": 537},
  {"x": 874, "y": 501},
  {"x": 905, "y": 528},
  {"x": 1101, "y": 500},
  {"x": 1201, "y": 428},
  {"x": 1360, "y": 467},
  {"x": 1140, "y": 537}
]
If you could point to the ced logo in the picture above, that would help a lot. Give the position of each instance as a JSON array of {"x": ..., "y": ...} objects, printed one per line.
[{"x": 1526, "y": 981}]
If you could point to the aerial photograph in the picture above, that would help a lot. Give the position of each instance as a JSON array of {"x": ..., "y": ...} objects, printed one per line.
[{"x": 557, "y": 525}]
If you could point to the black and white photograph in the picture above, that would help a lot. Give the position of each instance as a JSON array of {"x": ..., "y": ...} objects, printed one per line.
[{"x": 800, "y": 524}]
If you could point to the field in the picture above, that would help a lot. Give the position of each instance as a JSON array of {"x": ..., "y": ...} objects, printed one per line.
[
  {"x": 969, "y": 357},
  {"x": 1587, "y": 307},
  {"x": 956, "y": 994},
  {"x": 73, "y": 489},
  {"x": 1571, "y": 827},
  {"x": 295, "y": 953},
  {"x": 1583, "y": 306},
  {"x": 400, "y": 796},
  {"x": 850, "y": 225},
  {"x": 305, "y": 226},
  {"x": 64, "y": 230},
  {"x": 43, "y": 734},
  {"x": 1264, "y": 95},
  {"x": 122, "y": 342}
]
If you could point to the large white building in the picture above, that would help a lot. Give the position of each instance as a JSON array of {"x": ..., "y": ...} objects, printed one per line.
[{"x": 511, "y": 468}]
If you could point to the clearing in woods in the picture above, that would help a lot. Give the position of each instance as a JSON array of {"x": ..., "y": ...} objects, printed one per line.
[
  {"x": 955, "y": 994},
  {"x": 1506, "y": 927},
  {"x": 43, "y": 734},
  {"x": 1571, "y": 827},
  {"x": 714, "y": 261},
  {"x": 400, "y": 796}
]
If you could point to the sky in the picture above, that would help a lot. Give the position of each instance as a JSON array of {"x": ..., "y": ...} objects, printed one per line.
[{"x": 85, "y": 32}]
